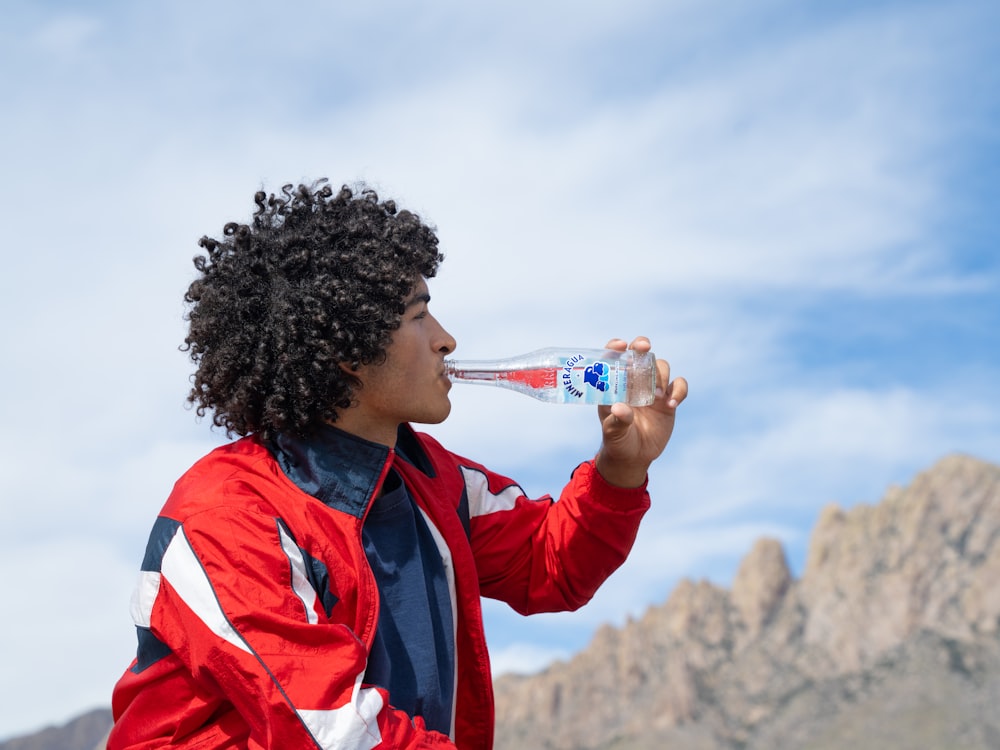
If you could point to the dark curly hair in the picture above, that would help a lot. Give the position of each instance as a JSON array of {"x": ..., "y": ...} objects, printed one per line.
[{"x": 316, "y": 280}]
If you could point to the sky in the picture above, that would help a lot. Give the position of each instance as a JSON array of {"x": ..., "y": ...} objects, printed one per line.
[{"x": 796, "y": 203}]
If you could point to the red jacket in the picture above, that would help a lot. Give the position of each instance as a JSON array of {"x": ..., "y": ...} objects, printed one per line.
[{"x": 256, "y": 606}]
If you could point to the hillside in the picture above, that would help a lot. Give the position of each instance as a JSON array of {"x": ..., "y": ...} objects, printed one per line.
[{"x": 85, "y": 732}]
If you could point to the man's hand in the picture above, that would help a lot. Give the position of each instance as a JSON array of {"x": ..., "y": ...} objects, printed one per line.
[{"x": 633, "y": 437}]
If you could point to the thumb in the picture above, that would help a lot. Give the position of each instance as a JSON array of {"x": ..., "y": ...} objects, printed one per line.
[{"x": 616, "y": 421}]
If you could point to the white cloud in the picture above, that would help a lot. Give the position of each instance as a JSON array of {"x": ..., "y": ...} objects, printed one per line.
[
  {"x": 785, "y": 448},
  {"x": 525, "y": 658}
]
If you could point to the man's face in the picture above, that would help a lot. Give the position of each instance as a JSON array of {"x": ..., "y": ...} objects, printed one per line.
[{"x": 410, "y": 385}]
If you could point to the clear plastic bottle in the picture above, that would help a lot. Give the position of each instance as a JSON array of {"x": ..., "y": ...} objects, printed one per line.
[{"x": 567, "y": 376}]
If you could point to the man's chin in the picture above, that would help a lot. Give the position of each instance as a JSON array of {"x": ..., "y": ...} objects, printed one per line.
[{"x": 437, "y": 418}]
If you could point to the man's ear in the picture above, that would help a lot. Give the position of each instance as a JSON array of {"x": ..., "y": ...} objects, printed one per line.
[{"x": 351, "y": 368}]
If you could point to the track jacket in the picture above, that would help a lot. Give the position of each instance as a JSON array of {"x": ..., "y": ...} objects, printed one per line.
[{"x": 256, "y": 606}]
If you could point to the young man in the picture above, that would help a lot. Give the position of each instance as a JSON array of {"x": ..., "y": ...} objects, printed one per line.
[{"x": 317, "y": 583}]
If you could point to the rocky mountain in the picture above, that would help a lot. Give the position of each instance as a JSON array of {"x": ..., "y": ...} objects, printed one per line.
[{"x": 890, "y": 639}]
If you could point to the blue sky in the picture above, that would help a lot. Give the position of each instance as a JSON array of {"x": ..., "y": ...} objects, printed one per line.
[{"x": 796, "y": 204}]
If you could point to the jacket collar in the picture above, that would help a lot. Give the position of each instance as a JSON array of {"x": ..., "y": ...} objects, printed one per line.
[{"x": 342, "y": 470}]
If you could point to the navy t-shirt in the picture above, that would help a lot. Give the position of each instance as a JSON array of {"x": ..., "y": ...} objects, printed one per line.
[{"x": 413, "y": 652}]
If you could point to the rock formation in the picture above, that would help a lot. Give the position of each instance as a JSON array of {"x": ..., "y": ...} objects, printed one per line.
[{"x": 890, "y": 639}]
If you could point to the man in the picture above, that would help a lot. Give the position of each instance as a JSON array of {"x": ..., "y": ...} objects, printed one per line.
[{"x": 317, "y": 583}]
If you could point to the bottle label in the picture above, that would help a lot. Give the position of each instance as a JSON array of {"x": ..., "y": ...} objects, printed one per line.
[{"x": 591, "y": 381}]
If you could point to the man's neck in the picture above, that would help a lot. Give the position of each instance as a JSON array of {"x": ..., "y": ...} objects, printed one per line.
[{"x": 356, "y": 422}]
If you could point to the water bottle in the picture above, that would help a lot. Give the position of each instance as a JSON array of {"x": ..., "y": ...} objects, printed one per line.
[{"x": 567, "y": 376}]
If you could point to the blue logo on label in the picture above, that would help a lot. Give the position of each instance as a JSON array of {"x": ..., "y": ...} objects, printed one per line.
[{"x": 597, "y": 376}]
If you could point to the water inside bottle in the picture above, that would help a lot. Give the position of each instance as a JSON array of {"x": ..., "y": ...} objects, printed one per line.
[{"x": 542, "y": 378}]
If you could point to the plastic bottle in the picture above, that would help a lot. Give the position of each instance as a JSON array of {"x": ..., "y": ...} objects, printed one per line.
[{"x": 567, "y": 376}]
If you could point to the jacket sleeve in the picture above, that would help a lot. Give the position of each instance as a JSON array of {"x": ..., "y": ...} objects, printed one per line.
[
  {"x": 546, "y": 556},
  {"x": 231, "y": 597}
]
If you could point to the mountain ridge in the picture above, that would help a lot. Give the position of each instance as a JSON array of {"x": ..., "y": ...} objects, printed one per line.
[{"x": 909, "y": 580}]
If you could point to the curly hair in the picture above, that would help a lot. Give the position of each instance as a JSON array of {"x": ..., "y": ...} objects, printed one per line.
[{"x": 315, "y": 281}]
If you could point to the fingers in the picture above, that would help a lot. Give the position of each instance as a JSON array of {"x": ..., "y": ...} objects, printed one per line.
[
  {"x": 662, "y": 378},
  {"x": 639, "y": 343},
  {"x": 679, "y": 390},
  {"x": 676, "y": 392},
  {"x": 673, "y": 391}
]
